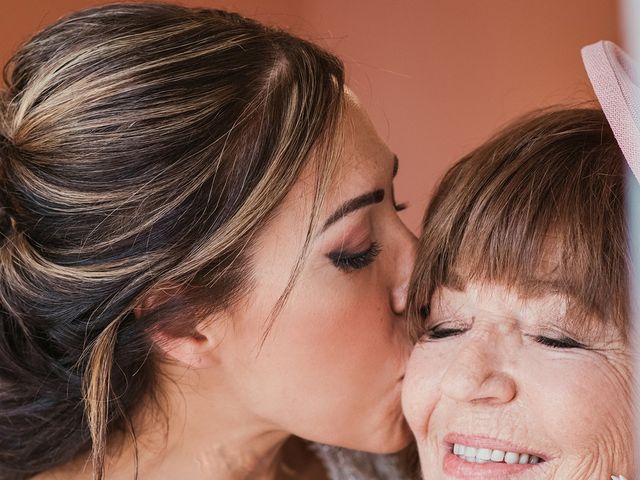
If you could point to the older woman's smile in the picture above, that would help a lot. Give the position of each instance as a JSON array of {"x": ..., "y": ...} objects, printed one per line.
[
  {"x": 466, "y": 456},
  {"x": 506, "y": 404},
  {"x": 484, "y": 450}
]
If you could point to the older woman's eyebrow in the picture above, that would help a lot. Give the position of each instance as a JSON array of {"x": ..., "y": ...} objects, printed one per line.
[{"x": 361, "y": 201}]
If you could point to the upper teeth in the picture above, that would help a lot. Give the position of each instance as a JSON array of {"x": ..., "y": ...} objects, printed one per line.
[{"x": 484, "y": 455}]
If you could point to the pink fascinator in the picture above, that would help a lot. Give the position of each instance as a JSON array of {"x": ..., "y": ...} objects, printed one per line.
[{"x": 616, "y": 82}]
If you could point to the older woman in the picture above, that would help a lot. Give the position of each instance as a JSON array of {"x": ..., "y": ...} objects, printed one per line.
[{"x": 522, "y": 369}]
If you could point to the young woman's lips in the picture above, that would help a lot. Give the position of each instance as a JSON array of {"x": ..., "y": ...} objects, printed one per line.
[{"x": 483, "y": 457}]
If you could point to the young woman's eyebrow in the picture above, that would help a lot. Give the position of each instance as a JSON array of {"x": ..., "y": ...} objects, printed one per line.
[{"x": 361, "y": 201}]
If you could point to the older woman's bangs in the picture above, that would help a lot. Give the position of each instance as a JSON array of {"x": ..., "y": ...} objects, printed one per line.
[{"x": 539, "y": 208}]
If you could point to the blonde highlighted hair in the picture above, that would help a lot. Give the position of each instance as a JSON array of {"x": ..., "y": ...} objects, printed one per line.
[{"x": 141, "y": 145}]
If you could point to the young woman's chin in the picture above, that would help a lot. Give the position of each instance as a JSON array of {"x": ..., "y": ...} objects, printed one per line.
[{"x": 377, "y": 428}]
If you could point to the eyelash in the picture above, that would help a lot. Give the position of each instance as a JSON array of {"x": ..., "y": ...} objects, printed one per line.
[
  {"x": 565, "y": 343},
  {"x": 401, "y": 206},
  {"x": 436, "y": 333},
  {"x": 348, "y": 262},
  {"x": 445, "y": 333},
  {"x": 560, "y": 343}
]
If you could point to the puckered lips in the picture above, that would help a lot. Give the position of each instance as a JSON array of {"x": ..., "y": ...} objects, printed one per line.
[{"x": 477, "y": 456}]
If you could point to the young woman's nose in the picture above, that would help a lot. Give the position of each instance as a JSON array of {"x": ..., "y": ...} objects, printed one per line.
[
  {"x": 405, "y": 257},
  {"x": 475, "y": 375}
]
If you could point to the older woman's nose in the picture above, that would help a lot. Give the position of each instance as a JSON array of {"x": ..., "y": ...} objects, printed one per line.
[{"x": 475, "y": 376}]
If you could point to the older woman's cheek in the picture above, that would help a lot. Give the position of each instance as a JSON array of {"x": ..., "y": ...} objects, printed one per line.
[
  {"x": 584, "y": 404},
  {"x": 611, "y": 450},
  {"x": 596, "y": 465}
]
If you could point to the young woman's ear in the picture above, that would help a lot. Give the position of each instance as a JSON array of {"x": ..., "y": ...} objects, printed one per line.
[{"x": 196, "y": 348}]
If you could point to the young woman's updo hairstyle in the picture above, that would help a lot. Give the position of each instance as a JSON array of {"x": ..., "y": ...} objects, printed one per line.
[{"x": 142, "y": 147}]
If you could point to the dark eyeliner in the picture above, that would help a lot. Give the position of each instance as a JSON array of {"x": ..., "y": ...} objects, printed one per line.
[{"x": 348, "y": 261}]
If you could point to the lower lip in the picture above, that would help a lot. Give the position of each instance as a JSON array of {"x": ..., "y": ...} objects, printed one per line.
[{"x": 458, "y": 468}]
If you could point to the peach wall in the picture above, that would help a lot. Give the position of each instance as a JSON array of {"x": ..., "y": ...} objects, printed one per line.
[{"x": 437, "y": 76}]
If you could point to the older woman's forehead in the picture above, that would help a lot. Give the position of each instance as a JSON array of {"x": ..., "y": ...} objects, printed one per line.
[
  {"x": 544, "y": 283},
  {"x": 541, "y": 298},
  {"x": 541, "y": 303},
  {"x": 515, "y": 294}
]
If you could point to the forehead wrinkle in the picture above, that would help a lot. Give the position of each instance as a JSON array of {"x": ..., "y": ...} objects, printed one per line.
[
  {"x": 556, "y": 311},
  {"x": 508, "y": 297},
  {"x": 547, "y": 283}
]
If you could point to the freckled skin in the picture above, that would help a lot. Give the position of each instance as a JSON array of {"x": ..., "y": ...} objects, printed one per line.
[
  {"x": 572, "y": 405},
  {"x": 330, "y": 369}
]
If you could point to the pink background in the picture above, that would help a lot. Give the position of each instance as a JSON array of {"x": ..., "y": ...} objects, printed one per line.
[{"x": 437, "y": 76}]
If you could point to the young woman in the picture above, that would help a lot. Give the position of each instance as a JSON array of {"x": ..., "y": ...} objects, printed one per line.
[{"x": 201, "y": 253}]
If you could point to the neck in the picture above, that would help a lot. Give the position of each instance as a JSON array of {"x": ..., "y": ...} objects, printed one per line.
[
  {"x": 207, "y": 433},
  {"x": 196, "y": 433},
  {"x": 227, "y": 451}
]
